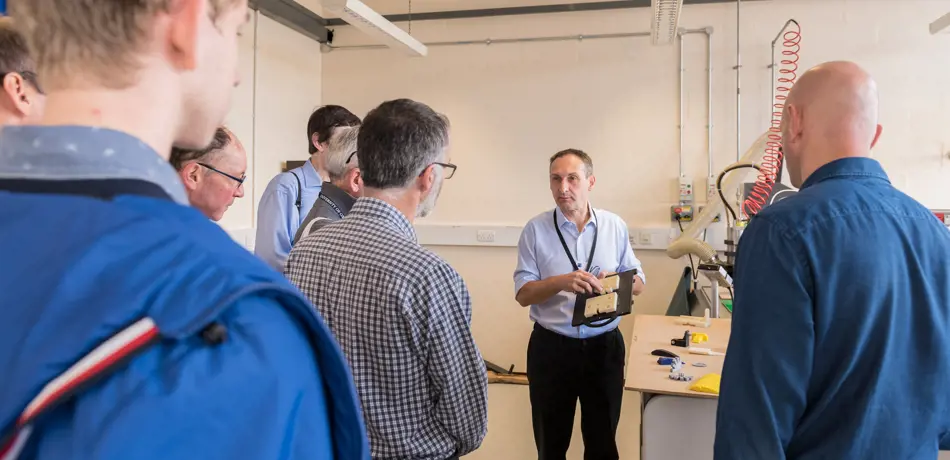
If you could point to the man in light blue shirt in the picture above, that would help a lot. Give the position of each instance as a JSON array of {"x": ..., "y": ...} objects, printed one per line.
[
  {"x": 290, "y": 195},
  {"x": 566, "y": 362}
]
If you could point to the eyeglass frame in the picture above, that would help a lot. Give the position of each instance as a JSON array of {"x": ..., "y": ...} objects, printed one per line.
[
  {"x": 451, "y": 169},
  {"x": 27, "y": 75},
  {"x": 239, "y": 180}
]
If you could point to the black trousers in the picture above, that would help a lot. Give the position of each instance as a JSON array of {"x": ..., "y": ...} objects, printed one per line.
[{"x": 561, "y": 370}]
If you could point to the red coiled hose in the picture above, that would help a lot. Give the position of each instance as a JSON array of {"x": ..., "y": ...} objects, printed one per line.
[{"x": 772, "y": 160}]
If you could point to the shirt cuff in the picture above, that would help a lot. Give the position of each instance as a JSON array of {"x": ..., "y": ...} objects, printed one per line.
[{"x": 522, "y": 280}]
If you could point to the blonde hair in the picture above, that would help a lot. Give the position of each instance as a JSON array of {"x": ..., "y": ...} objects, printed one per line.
[{"x": 98, "y": 40}]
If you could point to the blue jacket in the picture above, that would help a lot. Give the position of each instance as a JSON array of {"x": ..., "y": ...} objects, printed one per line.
[{"x": 278, "y": 387}]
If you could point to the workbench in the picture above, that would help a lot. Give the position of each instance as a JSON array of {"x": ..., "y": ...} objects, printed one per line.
[
  {"x": 675, "y": 422},
  {"x": 513, "y": 379}
]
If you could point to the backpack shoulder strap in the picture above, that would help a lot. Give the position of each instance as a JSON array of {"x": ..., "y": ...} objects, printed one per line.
[
  {"x": 98, "y": 364},
  {"x": 298, "y": 203}
]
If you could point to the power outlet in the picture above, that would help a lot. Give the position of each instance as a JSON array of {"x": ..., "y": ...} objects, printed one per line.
[
  {"x": 646, "y": 239},
  {"x": 681, "y": 213},
  {"x": 485, "y": 236}
]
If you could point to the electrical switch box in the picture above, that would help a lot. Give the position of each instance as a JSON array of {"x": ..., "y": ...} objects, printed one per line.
[
  {"x": 681, "y": 213},
  {"x": 685, "y": 190},
  {"x": 711, "y": 192}
]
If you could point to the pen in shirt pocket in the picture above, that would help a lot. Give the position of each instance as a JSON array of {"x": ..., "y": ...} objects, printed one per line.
[{"x": 595, "y": 270}]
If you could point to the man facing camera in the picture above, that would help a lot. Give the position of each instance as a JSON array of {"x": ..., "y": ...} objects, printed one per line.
[
  {"x": 213, "y": 176},
  {"x": 563, "y": 252},
  {"x": 400, "y": 312}
]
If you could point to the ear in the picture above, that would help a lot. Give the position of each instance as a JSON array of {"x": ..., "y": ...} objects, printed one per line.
[
  {"x": 795, "y": 122},
  {"x": 426, "y": 180},
  {"x": 592, "y": 180},
  {"x": 183, "y": 21},
  {"x": 355, "y": 182},
  {"x": 315, "y": 140},
  {"x": 15, "y": 87},
  {"x": 190, "y": 175},
  {"x": 877, "y": 135}
]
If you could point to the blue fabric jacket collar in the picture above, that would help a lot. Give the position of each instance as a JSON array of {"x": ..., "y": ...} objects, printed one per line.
[{"x": 847, "y": 167}]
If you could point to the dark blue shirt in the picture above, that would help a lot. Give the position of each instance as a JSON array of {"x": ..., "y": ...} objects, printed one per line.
[{"x": 839, "y": 346}]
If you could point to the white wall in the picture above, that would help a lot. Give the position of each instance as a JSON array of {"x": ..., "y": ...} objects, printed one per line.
[
  {"x": 513, "y": 105},
  {"x": 269, "y": 113}
]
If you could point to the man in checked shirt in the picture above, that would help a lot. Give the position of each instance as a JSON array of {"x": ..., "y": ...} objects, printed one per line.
[{"x": 401, "y": 314}]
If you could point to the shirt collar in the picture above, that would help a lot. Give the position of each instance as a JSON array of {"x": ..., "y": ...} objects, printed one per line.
[
  {"x": 381, "y": 210},
  {"x": 562, "y": 219},
  {"x": 311, "y": 178},
  {"x": 847, "y": 167},
  {"x": 338, "y": 196},
  {"x": 83, "y": 152}
]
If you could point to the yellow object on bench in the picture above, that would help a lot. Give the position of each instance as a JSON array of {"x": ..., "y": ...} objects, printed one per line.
[
  {"x": 700, "y": 337},
  {"x": 708, "y": 383}
]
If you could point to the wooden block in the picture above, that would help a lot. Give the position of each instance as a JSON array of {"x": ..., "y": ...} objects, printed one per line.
[
  {"x": 601, "y": 304},
  {"x": 611, "y": 283}
]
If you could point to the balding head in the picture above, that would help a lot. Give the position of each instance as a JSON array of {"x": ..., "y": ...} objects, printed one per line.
[{"x": 830, "y": 113}]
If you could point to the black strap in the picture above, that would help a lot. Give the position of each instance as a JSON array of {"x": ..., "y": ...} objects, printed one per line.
[
  {"x": 593, "y": 246},
  {"x": 103, "y": 189},
  {"x": 332, "y": 205},
  {"x": 298, "y": 203}
]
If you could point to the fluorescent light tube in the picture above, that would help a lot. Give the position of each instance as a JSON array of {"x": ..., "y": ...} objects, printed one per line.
[
  {"x": 364, "y": 18},
  {"x": 666, "y": 18}
]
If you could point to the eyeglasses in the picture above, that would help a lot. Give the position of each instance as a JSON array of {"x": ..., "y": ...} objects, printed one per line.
[
  {"x": 449, "y": 169},
  {"x": 239, "y": 180},
  {"x": 31, "y": 77},
  {"x": 350, "y": 158}
]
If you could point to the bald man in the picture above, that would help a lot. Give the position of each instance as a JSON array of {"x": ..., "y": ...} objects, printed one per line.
[{"x": 840, "y": 345}]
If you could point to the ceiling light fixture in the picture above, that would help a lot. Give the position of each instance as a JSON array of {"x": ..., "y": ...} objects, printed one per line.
[
  {"x": 666, "y": 18},
  {"x": 940, "y": 25},
  {"x": 364, "y": 18}
]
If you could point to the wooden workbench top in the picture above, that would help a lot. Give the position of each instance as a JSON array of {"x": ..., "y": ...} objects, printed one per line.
[
  {"x": 651, "y": 332},
  {"x": 514, "y": 379}
]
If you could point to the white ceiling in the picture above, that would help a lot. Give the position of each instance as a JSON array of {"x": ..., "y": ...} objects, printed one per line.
[{"x": 421, "y": 6}]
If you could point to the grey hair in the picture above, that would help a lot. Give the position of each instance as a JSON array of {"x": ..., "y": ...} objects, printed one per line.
[
  {"x": 398, "y": 140},
  {"x": 341, "y": 147}
]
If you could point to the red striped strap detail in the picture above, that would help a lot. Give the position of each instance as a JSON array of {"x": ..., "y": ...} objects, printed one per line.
[{"x": 98, "y": 363}]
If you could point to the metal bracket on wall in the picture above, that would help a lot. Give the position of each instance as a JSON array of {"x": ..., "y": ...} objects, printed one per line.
[{"x": 295, "y": 16}]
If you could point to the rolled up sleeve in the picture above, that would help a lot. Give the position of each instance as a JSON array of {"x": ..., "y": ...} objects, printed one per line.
[
  {"x": 628, "y": 260},
  {"x": 527, "y": 268}
]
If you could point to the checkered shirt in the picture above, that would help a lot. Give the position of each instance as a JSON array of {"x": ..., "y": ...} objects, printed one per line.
[{"x": 402, "y": 316}]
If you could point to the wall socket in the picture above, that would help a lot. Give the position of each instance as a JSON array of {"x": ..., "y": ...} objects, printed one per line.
[{"x": 485, "y": 236}]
